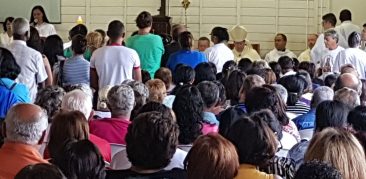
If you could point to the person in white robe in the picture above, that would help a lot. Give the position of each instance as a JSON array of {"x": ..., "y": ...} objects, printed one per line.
[
  {"x": 242, "y": 47},
  {"x": 6, "y": 38},
  {"x": 40, "y": 21},
  {"x": 363, "y": 44},
  {"x": 305, "y": 55},
  {"x": 346, "y": 27},
  {"x": 319, "y": 49},
  {"x": 353, "y": 55},
  {"x": 279, "y": 50}
]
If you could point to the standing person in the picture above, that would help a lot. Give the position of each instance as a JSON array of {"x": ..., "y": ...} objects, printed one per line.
[
  {"x": 363, "y": 45},
  {"x": 7, "y": 36},
  {"x": 40, "y": 21},
  {"x": 331, "y": 39},
  {"x": 149, "y": 46},
  {"x": 346, "y": 27},
  {"x": 280, "y": 49},
  {"x": 113, "y": 64},
  {"x": 353, "y": 55},
  {"x": 219, "y": 54},
  {"x": 305, "y": 55},
  {"x": 319, "y": 49},
  {"x": 31, "y": 63},
  {"x": 186, "y": 55},
  {"x": 173, "y": 46},
  {"x": 241, "y": 47}
]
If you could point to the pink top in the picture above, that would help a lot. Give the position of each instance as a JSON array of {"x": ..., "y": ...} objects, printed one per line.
[
  {"x": 208, "y": 128},
  {"x": 103, "y": 146},
  {"x": 111, "y": 129}
]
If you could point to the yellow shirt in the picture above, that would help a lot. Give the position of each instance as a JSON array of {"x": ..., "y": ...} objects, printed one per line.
[
  {"x": 305, "y": 56},
  {"x": 247, "y": 171},
  {"x": 246, "y": 53}
]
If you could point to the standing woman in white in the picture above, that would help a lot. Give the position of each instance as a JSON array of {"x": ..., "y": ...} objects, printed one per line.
[
  {"x": 40, "y": 21},
  {"x": 7, "y": 37}
]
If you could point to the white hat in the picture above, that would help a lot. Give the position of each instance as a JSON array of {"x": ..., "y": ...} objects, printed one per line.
[{"x": 238, "y": 33}]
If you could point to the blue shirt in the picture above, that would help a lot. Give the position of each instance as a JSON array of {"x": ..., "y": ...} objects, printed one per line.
[
  {"x": 76, "y": 71},
  {"x": 188, "y": 57},
  {"x": 210, "y": 118},
  {"x": 8, "y": 99},
  {"x": 305, "y": 121},
  {"x": 20, "y": 90}
]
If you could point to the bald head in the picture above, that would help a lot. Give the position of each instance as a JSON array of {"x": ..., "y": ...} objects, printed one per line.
[
  {"x": 348, "y": 80},
  {"x": 25, "y": 123}
]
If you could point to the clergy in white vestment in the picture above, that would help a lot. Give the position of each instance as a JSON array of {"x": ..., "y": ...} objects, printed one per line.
[
  {"x": 346, "y": 27},
  {"x": 363, "y": 36},
  {"x": 319, "y": 49},
  {"x": 7, "y": 36},
  {"x": 279, "y": 50},
  {"x": 331, "y": 42},
  {"x": 242, "y": 48},
  {"x": 220, "y": 52},
  {"x": 353, "y": 55},
  {"x": 305, "y": 55}
]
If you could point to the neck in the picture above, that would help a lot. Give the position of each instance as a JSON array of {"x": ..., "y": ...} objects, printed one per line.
[
  {"x": 10, "y": 33},
  {"x": 282, "y": 50},
  {"x": 40, "y": 22},
  {"x": 140, "y": 170},
  {"x": 118, "y": 41},
  {"x": 144, "y": 31},
  {"x": 22, "y": 37},
  {"x": 123, "y": 116},
  {"x": 333, "y": 47}
]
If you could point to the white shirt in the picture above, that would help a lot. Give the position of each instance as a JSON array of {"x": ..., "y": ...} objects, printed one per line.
[
  {"x": 354, "y": 56},
  {"x": 330, "y": 57},
  {"x": 5, "y": 40},
  {"x": 120, "y": 160},
  {"x": 305, "y": 56},
  {"x": 31, "y": 64},
  {"x": 45, "y": 29},
  {"x": 345, "y": 29},
  {"x": 114, "y": 64},
  {"x": 219, "y": 54},
  {"x": 246, "y": 53},
  {"x": 274, "y": 55}
]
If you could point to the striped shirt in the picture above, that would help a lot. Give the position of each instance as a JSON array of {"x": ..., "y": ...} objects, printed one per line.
[
  {"x": 76, "y": 71},
  {"x": 299, "y": 108}
]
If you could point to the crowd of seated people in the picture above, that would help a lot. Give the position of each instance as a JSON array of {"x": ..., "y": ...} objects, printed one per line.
[{"x": 100, "y": 109}]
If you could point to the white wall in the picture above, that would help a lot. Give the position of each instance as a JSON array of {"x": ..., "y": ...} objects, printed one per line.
[{"x": 262, "y": 18}]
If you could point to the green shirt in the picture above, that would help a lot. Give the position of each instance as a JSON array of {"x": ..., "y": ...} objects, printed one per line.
[
  {"x": 150, "y": 49},
  {"x": 68, "y": 53}
]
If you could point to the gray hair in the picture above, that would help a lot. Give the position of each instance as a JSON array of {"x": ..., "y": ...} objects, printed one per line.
[
  {"x": 322, "y": 93},
  {"x": 331, "y": 33},
  {"x": 282, "y": 91},
  {"x": 50, "y": 99},
  {"x": 83, "y": 87},
  {"x": 347, "y": 96},
  {"x": 121, "y": 99},
  {"x": 25, "y": 131},
  {"x": 140, "y": 88},
  {"x": 77, "y": 100},
  {"x": 20, "y": 26},
  {"x": 261, "y": 64}
]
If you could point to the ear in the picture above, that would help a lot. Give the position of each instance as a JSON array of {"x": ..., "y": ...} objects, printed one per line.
[
  {"x": 123, "y": 34},
  {"x": 27, "y": 35},
  {"x": 42, "y": 137}
]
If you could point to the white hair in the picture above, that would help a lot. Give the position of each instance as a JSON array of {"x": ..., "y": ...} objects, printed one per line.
[
  {"x": 25, "y": 131},
  {"x": 282, "y": 91},
  {"x": 121, "y": 99},
  {"x": 321, "y": 93},
  {"x": 347, "y": 96},
  {"x": 77, "y": 100},
  {"x": 21, "y": 26}
]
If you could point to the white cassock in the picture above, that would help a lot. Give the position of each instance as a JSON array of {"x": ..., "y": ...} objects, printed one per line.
[
  {"x": 45, "y": 29},
  {"x": 5, "y": 40},
  {"x": 274, "y": 55},
  {"x": 353, "y": 56},
  {"x": 248, "y": 52},
  {"x": 330, "y": 57},
  {"x": 305, "y": 56},
  {"x": 345, "y": 29},
  {"x": 219, "y": 54}
]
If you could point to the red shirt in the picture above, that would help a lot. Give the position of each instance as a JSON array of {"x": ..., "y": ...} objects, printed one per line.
[
  {"x": 111, "y": 129},
  {"x": 103, "y": 146},
  {"x": 15, "y": 156}
]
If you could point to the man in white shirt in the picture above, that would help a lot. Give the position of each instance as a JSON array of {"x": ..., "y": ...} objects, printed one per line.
[
  {"x": 113, "y": 64},
  {"x": 353, "y": 55},
  {"x": 331, "y": 43},
  {"x": 30, "y": 61},
  {"x": 305, "y": 56},
  {"x": 319, "y": 49},
  {"x": 363, "y": 45},
  {"x": 242, "y": 49},
  {"x": 346, "y": 27},
  {"x": 219, "y": 54},
  {"x": 279, "y": 50}
]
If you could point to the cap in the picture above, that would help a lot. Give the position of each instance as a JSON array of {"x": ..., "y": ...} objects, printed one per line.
[{"x": 238, "y": 33}]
